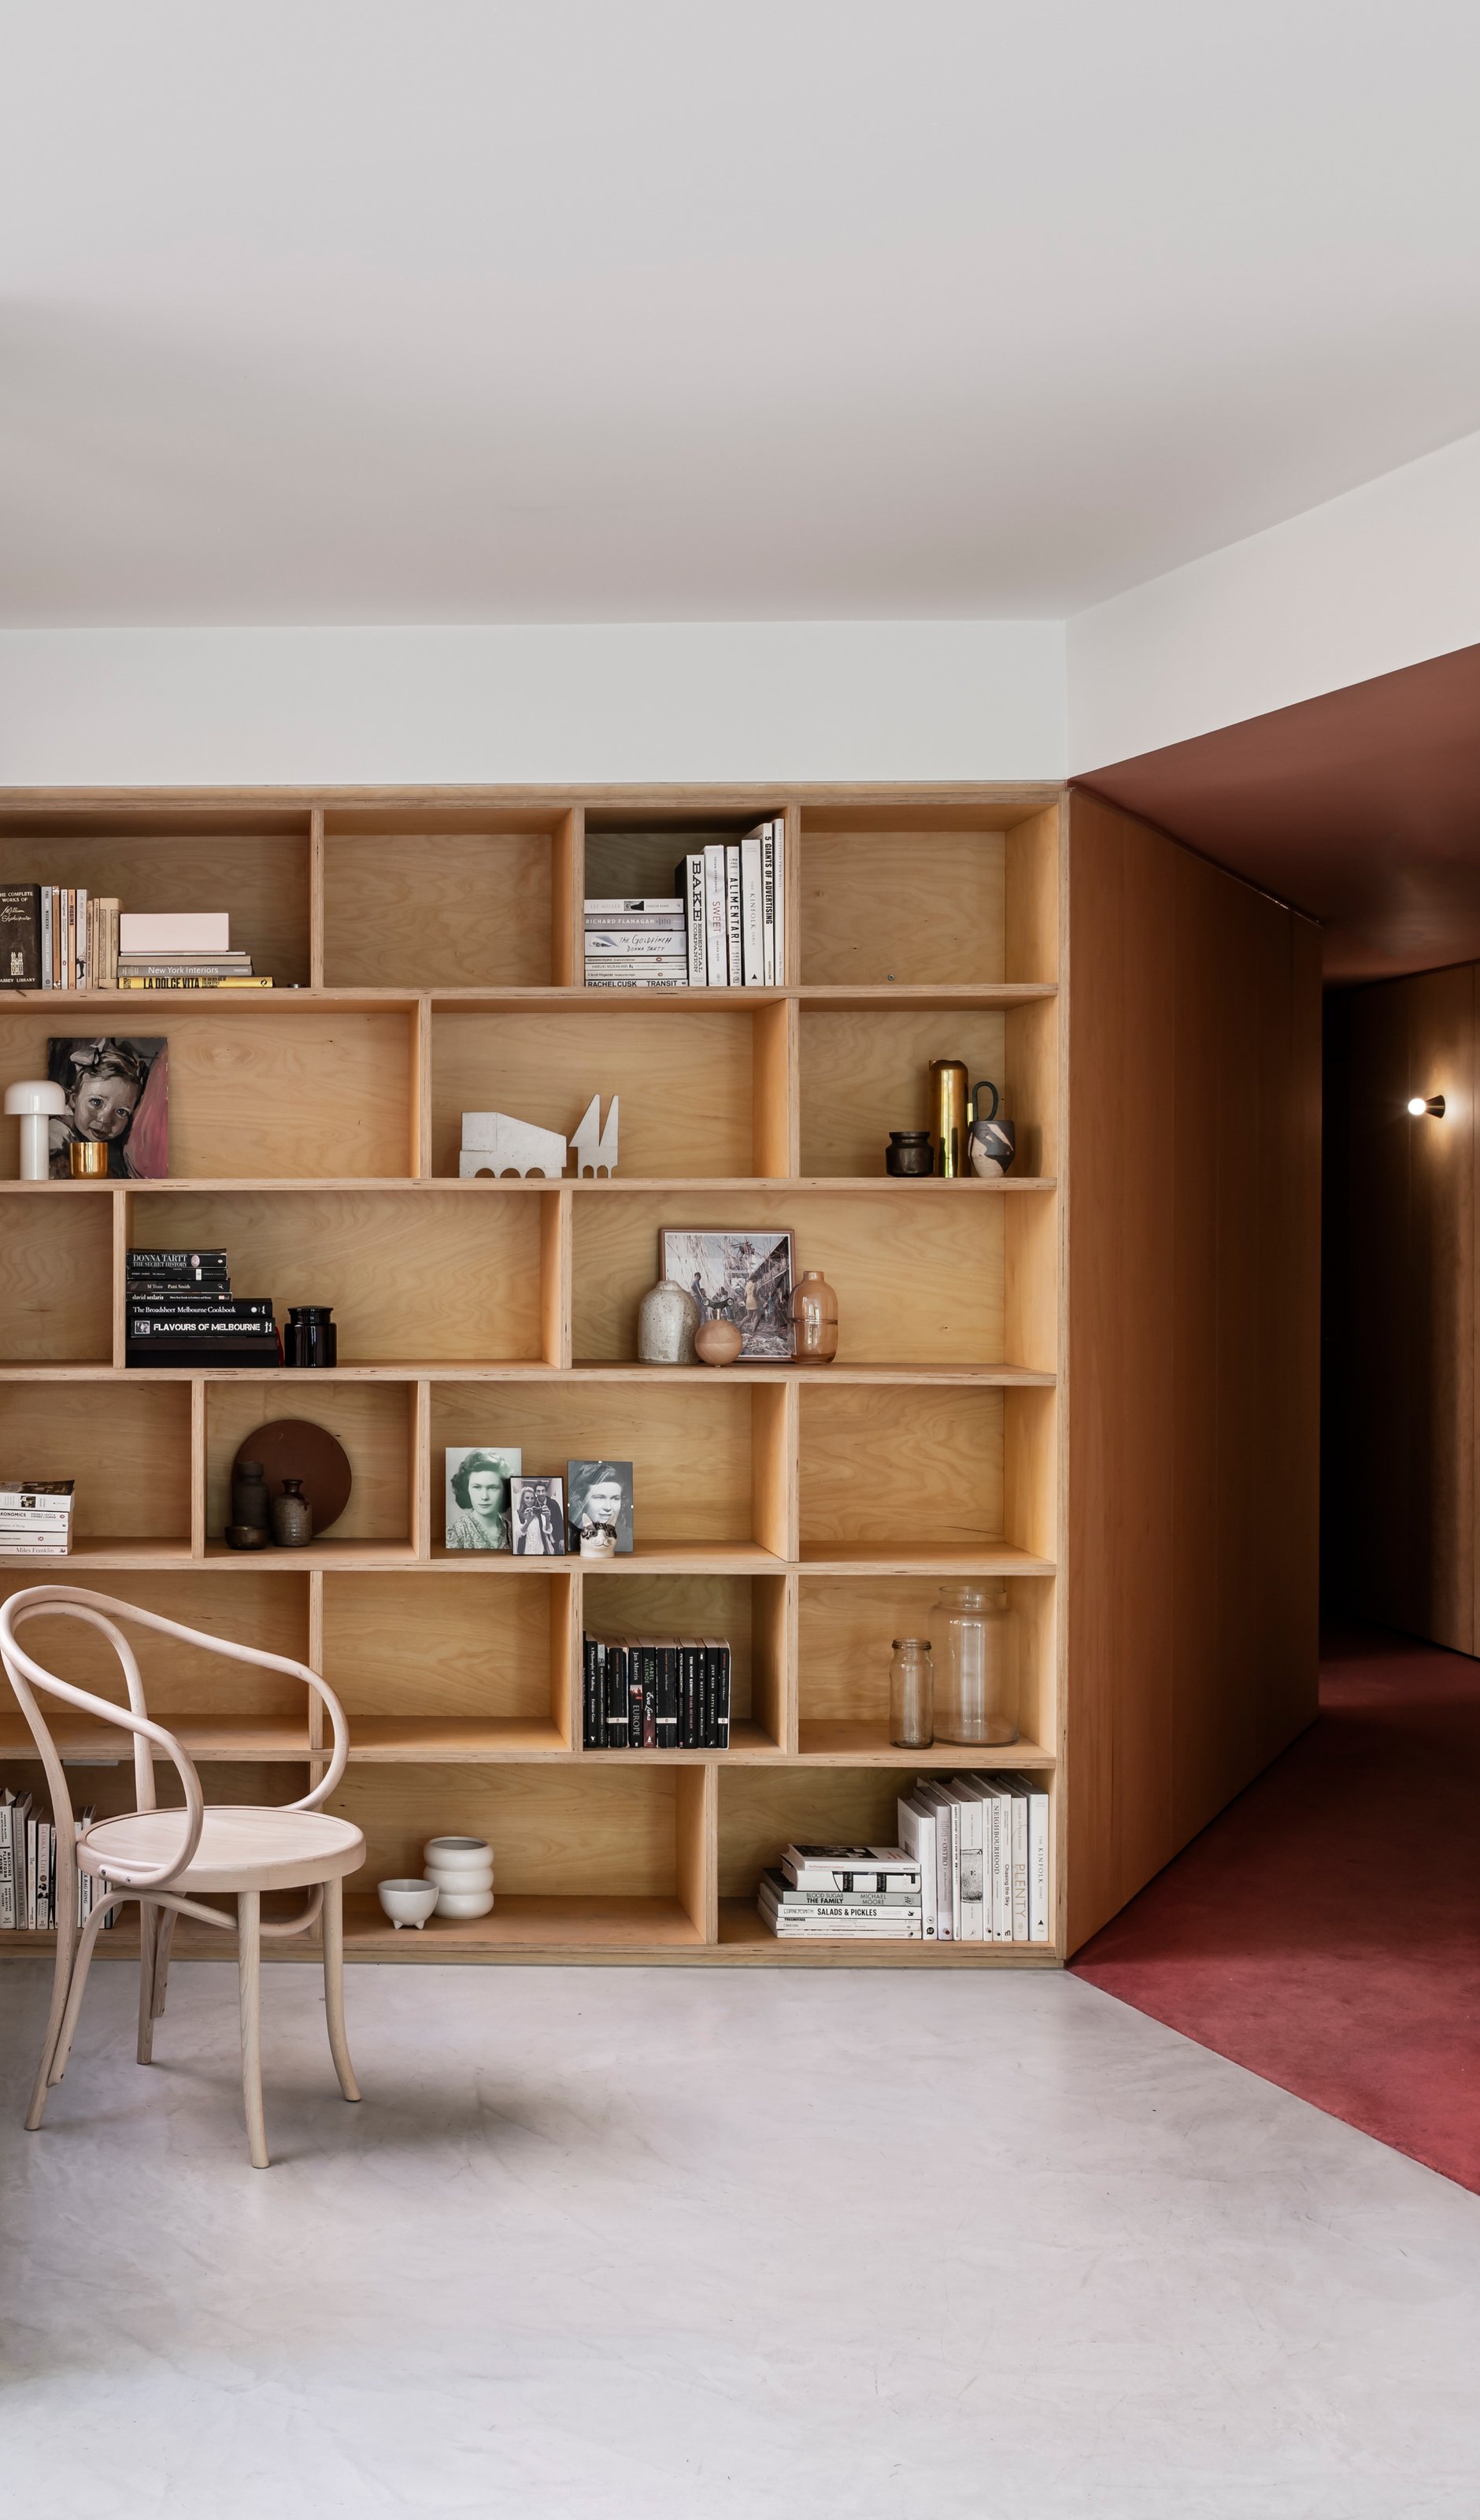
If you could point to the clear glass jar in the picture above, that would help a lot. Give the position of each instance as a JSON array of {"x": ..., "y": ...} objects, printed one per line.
[
  {"x": 980, "y": 1685},
  {"x": 912, "y": 1695}
]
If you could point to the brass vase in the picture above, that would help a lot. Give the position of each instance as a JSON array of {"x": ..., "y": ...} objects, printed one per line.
[{"x": 948, "y": 1116}]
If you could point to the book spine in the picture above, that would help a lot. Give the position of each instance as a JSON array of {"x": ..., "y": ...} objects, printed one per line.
[
  {"x": 1038, "y": 1867},
  {"x": 80, "y": 964},
  {"x": 634, "y": 1662},
  {"x": 1019, "y": 1867},
  {"x": 648, "y": 1657},
  {"x": 599, "y": 976},
  {"x": 32, "y": 1826},
  {"x": 670, "y": 906},
  {"x": 721, "y": 1700},
  {"x": 111, "y": 912},
  {"x": 831, "y": 1929},
  {"x": 768, "y": 901},
  {"x": 973, "y": 1927},
  {"x": 70, "y": 937},
  {"x": 142, "y": 968},
  {"x": 916, "y": 1835},
  {"x": 636, "y": 922},
  {"x": 46, "y": 1526},
  {"x": 628, "y": 945},
  {"x": 131, "y": 982},
  {"x": 752, "y": 937},
  {"x": 20, "y": 936},
  {"x": 175, "y": 1264},
  {"x": 667, "y": 1697},
  {"x": 735, "y": 926},
  {"x": 46, "y": 935},
  {"x": 698, "y": 941},
  {"x": 778, "y": 828},
  {"x": 35, "y": 1548},
  {"x": 588, "y": 1694}
]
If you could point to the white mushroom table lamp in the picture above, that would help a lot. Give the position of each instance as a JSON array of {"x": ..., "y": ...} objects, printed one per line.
[{"x": 34, "y": 1103}]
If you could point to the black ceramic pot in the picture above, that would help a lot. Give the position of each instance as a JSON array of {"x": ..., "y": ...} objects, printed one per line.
[{"x": 910, "y": 1153}]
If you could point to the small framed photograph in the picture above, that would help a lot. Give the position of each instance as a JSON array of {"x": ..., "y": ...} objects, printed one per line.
[
  {"x": 747, "y": 1276},
  {"x": 118, "y": 1093},
  {"x": 477, "y": 1493},
  {"x": 599, "y": 1500},
  {"x": 537, "y": 1510}
]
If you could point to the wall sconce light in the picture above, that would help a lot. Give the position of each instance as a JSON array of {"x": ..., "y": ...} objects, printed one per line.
[{"x": 1427, "y": 1106}]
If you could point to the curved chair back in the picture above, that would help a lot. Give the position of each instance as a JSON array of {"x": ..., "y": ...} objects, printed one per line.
[{"x": 28, "y": 1676}]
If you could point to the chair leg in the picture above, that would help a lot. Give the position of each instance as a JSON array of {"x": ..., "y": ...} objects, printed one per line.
[
  {"x": 86, "y": 1946},
  {"x": 149, "y": 1943},
  {"x": 334, "y": 1987},
  {"x": 167, "y": 1924},
  {"x": 250, "y": 1975},
  {"x": 62, "y": 1979}
]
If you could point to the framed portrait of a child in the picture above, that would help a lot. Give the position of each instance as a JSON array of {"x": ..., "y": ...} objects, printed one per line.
[{"x": 118, "y": 1091}]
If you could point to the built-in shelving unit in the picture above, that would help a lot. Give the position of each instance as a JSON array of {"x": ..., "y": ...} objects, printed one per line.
[{"x": 434, "y": 941}]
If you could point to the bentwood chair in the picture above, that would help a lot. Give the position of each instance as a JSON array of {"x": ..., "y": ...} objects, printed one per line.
[{"x": 171, "y": 1861}]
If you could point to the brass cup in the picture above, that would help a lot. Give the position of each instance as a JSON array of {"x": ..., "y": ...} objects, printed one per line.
[{"x": 88, "y": 1157}]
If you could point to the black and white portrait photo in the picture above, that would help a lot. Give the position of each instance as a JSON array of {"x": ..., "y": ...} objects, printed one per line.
[
  {"x": 477, "y": 1493},
  {"x": 747, "y": 1277},
  {"x": 117, "y": 1093},
  {"x": 598, "y": 1497},
  {"x": 537, "y": 1510}
]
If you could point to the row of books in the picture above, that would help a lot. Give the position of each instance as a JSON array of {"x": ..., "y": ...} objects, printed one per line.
[
  {"x": 655, "y": 1694},
  {"x": 180, "y": 1311},
  {"x": 981, "y": 1842},
  {"x": 723, "y": 926},
  {"x": 35, "y": 1517},
  {"x": 28, "y": 1869},
  {"x": 61, "y": 936},
  {"x": 825, "y": 1894}
]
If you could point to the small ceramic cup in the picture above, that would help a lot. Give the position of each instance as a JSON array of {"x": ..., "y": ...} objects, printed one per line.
[
  {"x": 408, "y": 1903},
  {"x": 245, "y": 1535}
]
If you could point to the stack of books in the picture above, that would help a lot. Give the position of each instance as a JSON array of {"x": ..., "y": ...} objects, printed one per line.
[
  {"x": 723, "y": 926},
  {"x": 655, "y": 1694},
  {"x": 181, "y": 1312},
  {"x": 636, "y": 944},
  {"x": 982, "y": 1846},
  {"x": 28, "y": 1869},
  {"x": 182, "y": 949},
  {"x": 56, "y": 936},
  {"x": 820, "y": 1894},
  {"x": 35, "y": 1517}
]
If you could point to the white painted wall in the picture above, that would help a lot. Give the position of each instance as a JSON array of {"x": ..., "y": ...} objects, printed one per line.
[
  {"x": 1379, "y": 579},
  {"x": 717, "y": 702}
]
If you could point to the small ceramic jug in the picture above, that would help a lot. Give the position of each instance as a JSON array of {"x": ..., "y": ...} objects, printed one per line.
[
  {"x": 291, "y": 1516},
  {"x": 665, "y": 1324},
  {"x": 991, "y": 1142},
  {"x": 718, "y": 1339}
]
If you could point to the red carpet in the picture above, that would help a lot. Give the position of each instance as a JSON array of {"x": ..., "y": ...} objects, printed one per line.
[{"x": 1324, "y": 1931}]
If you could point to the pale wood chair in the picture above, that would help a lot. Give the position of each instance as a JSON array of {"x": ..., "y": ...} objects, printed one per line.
[{"x": 167, "y": 1859}]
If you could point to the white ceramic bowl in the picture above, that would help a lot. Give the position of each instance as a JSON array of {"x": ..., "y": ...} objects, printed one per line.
[
  {"x": 408, "y": 1903},
  {"x": 457, "y": 1855},
  {"x": 461, "y": 1903}
]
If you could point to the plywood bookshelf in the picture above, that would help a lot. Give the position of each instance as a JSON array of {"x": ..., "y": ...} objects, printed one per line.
[{"x": 435, "y": 943}]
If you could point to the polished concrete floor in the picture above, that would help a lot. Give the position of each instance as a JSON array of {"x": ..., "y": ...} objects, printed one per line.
[{"x": 659, "y": 2245}]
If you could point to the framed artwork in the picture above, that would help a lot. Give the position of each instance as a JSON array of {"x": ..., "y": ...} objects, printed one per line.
[
  {"x": 537, "y": 1511},
  {"x": 747, "y": 1276},
  {"x": 599, "y": 1499},
  {"x": 477, "y": 1493},
  {"x": 118, "y": 1091}
]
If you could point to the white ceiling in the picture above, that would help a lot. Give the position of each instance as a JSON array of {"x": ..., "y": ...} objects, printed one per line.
[{"x": 530, "y": 311}]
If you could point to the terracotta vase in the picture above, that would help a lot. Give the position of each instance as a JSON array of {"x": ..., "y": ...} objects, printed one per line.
[
  {"x": 718, "y": 1339},
  {"x": 814, "y": 1318}
]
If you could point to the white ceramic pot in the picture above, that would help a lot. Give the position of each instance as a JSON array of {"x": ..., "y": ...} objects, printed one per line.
[
  {"x": 457, "y": 1855},
  {"x": 408, "y": 1903},
  {"x": 461, "y": 1903}
]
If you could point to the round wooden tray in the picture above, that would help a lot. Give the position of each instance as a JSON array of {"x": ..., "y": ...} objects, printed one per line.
[{"x": 293, "y": 1448}]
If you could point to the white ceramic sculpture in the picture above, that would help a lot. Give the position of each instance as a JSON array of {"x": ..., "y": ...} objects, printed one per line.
[
  {"x": 596, "y": 1153},
  {"x": 35, "y": 1102},
  {"x": 460, "y": 1872},
  {"x": 493, "y": 1143}
]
